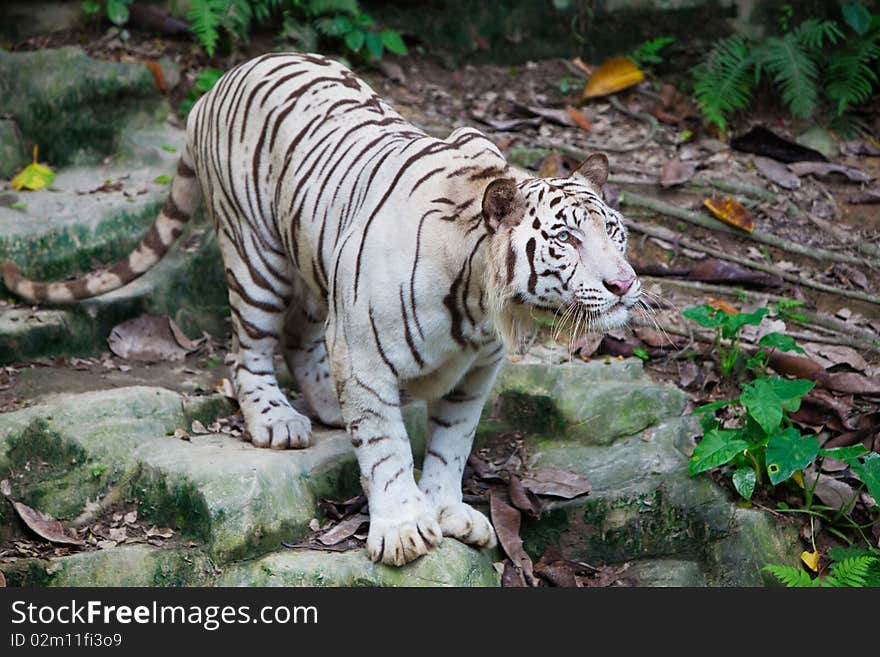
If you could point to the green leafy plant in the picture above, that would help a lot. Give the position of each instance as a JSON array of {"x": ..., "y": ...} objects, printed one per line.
[
  {"x": 115, "y": 10},
  {"x": 727, "y": 330},
  {"x": 814, "y": 65},
  {"x": 850, "y": 567},
  {"x": 205, "y": 81},
  {"x": 649, "y": 51},
  {"x": 305, "y": 23}
]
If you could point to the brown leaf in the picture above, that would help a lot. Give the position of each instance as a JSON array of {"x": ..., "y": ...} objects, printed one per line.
[
  {"x": 658, "y": 340},
  {"x": 158, "y": 77},
  {"x": 506, "y": 521},
  {"x": 524, "y": 500},
  {"x": 483, "y": 470},
  {"x": 586, "y": 344},
  {"x": 339, "y": 509},
  {"x": 551, "y": 166},
  {"x": 2, "y": 580},
  {"x": 556, "y": 569},
  {"x": 847, "y": 274},
  {"x": 676, "y": 172},
  {"x": 777, "y": 172},
  {"x": 612, "y": 76},
  {"x": 556, "y": 482},
  {"x": 512, "y": 577},
  {"x": 165, "y": 532},
  {"x": 130, "y": 518},
  {"x": 867, "y": 195},
  {"x": 807, "y": 368},
  {"x": 150, "y": 339},
  {"x": 674, "y": 107},
  {"x": 45, "y": 526},
  {"x": 731, "y": 212},
  {"x": 579, "y": 118},
  {"x": 559, "y": 116},
  {"x": 831, "y": 355},
  {"x": 827, "y": 168},
  {"x": 831, "y": 491},
  {"x": 713, "y": 270},
  {"x": 344, "y": 529}
]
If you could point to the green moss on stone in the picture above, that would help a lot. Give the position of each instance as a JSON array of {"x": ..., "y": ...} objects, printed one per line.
[
  {"x": 172, "y": 502},
  {"x": 533, "y": 413}
]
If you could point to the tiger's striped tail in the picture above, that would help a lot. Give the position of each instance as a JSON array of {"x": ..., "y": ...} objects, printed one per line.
[{"x": 179, "y": 207}]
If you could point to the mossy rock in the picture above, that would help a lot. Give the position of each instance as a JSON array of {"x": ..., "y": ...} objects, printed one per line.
[{"x": 77, "y": 108}]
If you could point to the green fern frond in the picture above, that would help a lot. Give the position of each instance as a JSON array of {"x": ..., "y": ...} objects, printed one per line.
[
  {"x": 205, "y": 17},
  {"x": 792, "y": 577},
  {"x": 851, "y": 572},
  {"x": 724, "y": 83},
  {"x": 264, "y": 9},
  {"x": 813, "y": 33},
  {"x": 852, "y": 72},
  {"x": 793, "y": 70}
]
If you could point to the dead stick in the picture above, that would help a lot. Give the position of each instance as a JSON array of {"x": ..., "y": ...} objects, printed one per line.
[
  {"x": 637, "y": 200},
  {"x": 668, "y": 235},
  {"x": 867, "y": 338}
]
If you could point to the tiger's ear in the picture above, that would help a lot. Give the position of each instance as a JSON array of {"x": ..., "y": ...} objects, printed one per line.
[
  {"x": 594, "y": 170},
  {"x": 502, "y": 203}
]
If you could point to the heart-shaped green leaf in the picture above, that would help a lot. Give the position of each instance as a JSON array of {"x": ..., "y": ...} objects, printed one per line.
[
  {"x": 788, "y": 452},
  {"x": 780, "y": 341},
  {"x": 744, "y": 482},
  {"x": 716, "y": 448},
  {"x": 869, "y": 473}
]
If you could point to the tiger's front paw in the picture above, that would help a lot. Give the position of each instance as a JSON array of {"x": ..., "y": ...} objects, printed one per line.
[
  {"x": 404, "y": 538},
  {"x": 280, "y": 428},
  {"x": 467, "y": 525}
]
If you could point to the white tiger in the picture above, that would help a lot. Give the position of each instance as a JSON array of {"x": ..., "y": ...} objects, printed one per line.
[{"x": 381, "y": 261}]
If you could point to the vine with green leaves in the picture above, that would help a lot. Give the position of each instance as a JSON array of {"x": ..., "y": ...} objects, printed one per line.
[{"x": 817, "y": 67}]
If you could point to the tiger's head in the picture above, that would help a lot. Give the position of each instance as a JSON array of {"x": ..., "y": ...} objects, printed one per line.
[{"x": 557, "y": 250}]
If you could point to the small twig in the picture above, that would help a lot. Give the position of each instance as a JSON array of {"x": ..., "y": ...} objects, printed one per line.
[
  {"x": 632, "y": 199},
  {"x": 668, "y": 235},
  {"x": 735, "y": 187}
]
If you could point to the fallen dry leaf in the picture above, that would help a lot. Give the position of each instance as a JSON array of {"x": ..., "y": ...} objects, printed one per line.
[
  {"x": 827, "y": 168},
  {"x": 556, "y": 569},
  {"x": 345, "y": 529},
  {"x": 868, "y": 195},
  {"x": 777, "y": 172},
  {"x": 158, "y": 76},
  {"x": 506, "y": 521},
  {"x": 2, "y": 580},
  {"x": 831, "y": 491},
  {"x": 512, "y": 577},
  {"x": 130, "y": 518},
  {"x": 713, "y": 270},
  {"x": 45, "y": 526},
  {"x": 811, "y": 559},
  {"x": 580, "y": 119},
  {"x": 165, "y": 532},
  {"x": 556, "y": 482},
  {"x": 614, "y": 75},
  {"x": 522, "y": 499},
  {"x": 676, "y": 172},
  {"x": 551, "y": 166},
  {"x": 151, "y": 339},
  {"x": 731, "y": 212}
]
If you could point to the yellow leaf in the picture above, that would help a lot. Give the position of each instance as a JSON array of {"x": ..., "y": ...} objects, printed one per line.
[
  {"x": 811, "y": 559},
  {"x": 798, "y": 478},
  {"x": 615, "y": 74},
  {"x": 33, "y": 176},
  {"x": 731, "y": 212}
]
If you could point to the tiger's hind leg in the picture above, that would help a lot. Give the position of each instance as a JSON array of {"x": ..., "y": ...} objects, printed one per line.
[
  {"x": 259, "y": 297},
  {"x": 306, "y": 355}
]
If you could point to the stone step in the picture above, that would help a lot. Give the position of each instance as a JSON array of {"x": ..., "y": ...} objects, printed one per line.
[{"x": 239, "y": 503}]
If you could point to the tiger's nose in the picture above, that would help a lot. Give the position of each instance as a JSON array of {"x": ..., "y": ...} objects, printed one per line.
[{"x": 619, "y": 287}]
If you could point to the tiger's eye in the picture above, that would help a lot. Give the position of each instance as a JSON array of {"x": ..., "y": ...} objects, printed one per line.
[{"x": 563, "y": 236}]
